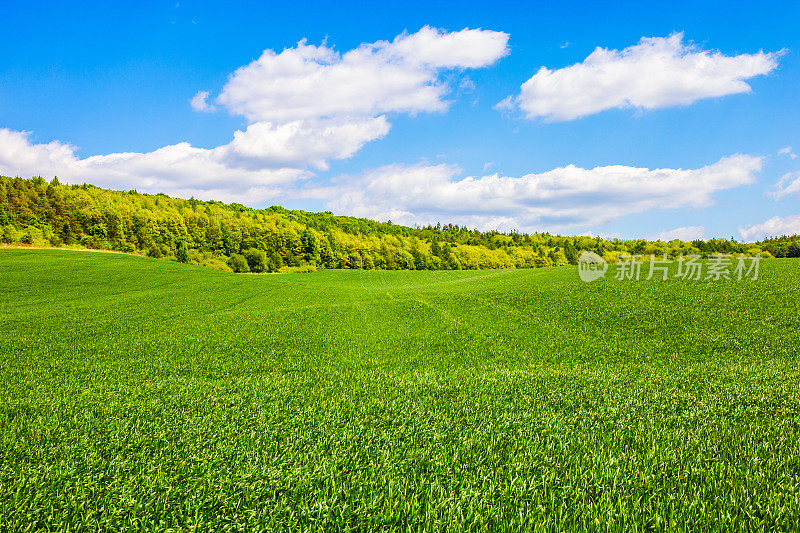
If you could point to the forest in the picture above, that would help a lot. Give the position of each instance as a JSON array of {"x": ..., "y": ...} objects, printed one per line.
[{"x": 237, "y": 238}]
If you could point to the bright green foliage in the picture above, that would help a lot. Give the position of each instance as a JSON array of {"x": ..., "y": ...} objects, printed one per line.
[
  {"x": 143, "y": 394},
  {"x": 37, "y": 213}
]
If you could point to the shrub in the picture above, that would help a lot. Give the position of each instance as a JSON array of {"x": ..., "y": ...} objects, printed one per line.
[
  {"x": 218, "y": 264},
  {"x": 297, "y": 269},
  {"x": 11, "y": 234},
  {"x": 256, "y": 259},
  {"x": 275, "y": 262},
  {"x": 126, "y": 247},
  {"x": 238, "y": 263}
]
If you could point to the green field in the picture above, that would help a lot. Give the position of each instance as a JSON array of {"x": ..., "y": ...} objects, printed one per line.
[{"x": 144, "y": 394}]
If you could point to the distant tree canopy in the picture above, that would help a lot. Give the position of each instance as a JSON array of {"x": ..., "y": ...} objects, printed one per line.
[{"x": 240, "y": 239}]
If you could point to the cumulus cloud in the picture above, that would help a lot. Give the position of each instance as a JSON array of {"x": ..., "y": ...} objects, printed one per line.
[
  {"x": 563, "y": 198},
  {"x": 305, "y": 106},
  {"x": 787, "y": 151},
  {"x": 199, "y": 102},
  {"x": 685, "y": 233},
  {"x": 263, "y": 156},
  {"x": 657, "y": 72},
  {"x": 788, "y": 184},
  {"x": 179, "y": 169},
  {"x": 402, "y": 75},
  {"x": 300, "y": 143},
  {"x": 774, "y": 227}
]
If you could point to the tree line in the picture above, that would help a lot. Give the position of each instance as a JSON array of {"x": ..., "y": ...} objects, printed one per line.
[{"x": 237, "y": 238}]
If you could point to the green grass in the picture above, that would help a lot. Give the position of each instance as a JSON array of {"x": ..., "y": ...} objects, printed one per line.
[{"x": 144, "y": 394}]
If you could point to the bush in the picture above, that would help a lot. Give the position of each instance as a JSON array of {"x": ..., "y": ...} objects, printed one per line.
[
  {"x": 275, "y": 262},
  {"x": 256, "y": 260},
  {"x": 613, "y": 256},
  {"x": 12, "y": 234},
  {"x": 238, "y": 263},
  {"x": 126, "y": 247},
  {"x": 218, "y": 264},
  {"x": 197, "y": 257},
  {"x": 298, "y": 269}
]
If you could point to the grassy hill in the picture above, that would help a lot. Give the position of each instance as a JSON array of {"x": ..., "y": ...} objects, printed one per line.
[
  {"x": 237, "y": 238},
  {"x": 146, "y": 394}
]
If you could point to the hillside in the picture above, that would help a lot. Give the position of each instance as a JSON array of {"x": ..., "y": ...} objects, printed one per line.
[
  {"x": 153, "y": 395},
  {"x": 238, "y": 238}
]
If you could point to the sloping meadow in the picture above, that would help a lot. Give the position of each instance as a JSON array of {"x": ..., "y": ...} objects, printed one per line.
[{"x": 146, "y": 394}]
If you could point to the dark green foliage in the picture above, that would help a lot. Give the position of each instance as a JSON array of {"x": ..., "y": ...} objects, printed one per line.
[
  {"x": 275, "y": 262},
  {"x": 256, "y": 260},
  {"x": 238, "y": 263},
  {"x": 182, "y": 254},
  {"x": 310, "y": 244},
  {"x": 571, "y": 253}
]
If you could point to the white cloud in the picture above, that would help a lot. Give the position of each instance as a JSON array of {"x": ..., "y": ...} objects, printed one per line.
[
  {"x": 467, "y": 85},
  {"x": 685, "y": 233},
  {"x": 402, "y": 75},
  {"x": 774, "y": 227},
  {"x": 788, "y": 184},
  {"x": 305, "y": 106},
  {"x": 655, "y": 73},
  {"x": 178, "y": 169},
  {"x": 301, "y": 143},
  {"x": 787, "y": 151},
  {"x": 563, "y": 198},
  {"x": 199, "y": 102},
  {"x": 264, "y": 155}
]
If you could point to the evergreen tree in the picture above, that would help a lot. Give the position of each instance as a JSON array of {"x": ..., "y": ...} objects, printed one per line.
[{"x": 182, "y": 254}]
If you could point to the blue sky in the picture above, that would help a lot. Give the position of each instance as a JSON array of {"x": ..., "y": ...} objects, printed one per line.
[{"x": 103, "y": 78}]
